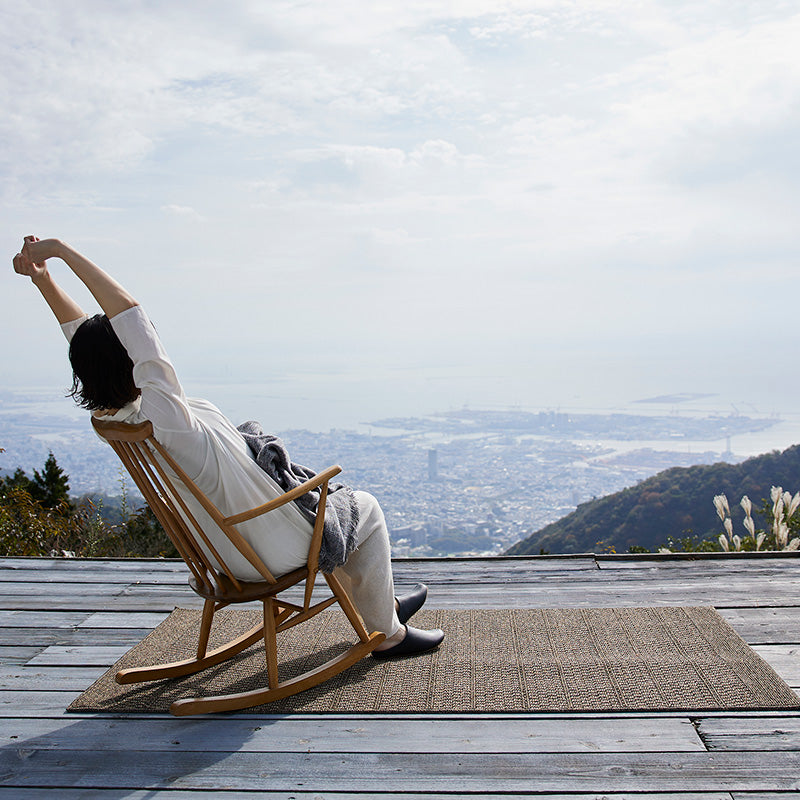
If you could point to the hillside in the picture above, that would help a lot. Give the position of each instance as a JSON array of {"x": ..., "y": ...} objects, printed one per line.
[{"x": 674, "y": 503}]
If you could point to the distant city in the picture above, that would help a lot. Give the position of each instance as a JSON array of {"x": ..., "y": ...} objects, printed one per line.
[{"x": 456, "y": 483}]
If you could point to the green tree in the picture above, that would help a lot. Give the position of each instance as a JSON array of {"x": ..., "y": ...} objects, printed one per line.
[
  {"x": 19, "y": 480},
  {"x": 51, "y": 485}
]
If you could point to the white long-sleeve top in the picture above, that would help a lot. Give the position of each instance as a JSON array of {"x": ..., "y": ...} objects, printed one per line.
[{"x": 210, "y": 450}]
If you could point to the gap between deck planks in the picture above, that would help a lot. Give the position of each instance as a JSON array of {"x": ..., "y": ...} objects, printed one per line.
[{"x": 170, "y": 794}]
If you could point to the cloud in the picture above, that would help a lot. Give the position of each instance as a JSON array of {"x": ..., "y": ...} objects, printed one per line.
[
  {"x": 575, "y": 168},
  {"x": 183, "y": 212}
]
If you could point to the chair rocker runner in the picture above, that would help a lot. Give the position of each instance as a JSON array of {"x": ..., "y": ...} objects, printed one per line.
[{"x": 148, "y": 464}]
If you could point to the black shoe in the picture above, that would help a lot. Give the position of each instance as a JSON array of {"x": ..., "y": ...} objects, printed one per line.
[
  {"x": 410, "y": 603},
  {"x": 416, "y": 641}
]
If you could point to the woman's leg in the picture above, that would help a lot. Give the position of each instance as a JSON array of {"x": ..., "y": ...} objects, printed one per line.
[{"x": 367, "y": 575}]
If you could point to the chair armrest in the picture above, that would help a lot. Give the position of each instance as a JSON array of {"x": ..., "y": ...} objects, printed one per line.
[{"x": 298, "y": 491}]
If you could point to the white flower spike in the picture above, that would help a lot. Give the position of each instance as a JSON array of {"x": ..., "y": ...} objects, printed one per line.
[
  {"x": 793, "y": 505},
  {"x": 747, "y": 505},
  {"x": 721, "y": 504}
]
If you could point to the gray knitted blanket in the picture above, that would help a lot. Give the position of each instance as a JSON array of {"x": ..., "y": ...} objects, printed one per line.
[{"x": 341, "y": 508}]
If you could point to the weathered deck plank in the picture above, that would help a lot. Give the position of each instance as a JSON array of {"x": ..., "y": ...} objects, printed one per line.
[
  {"x": 765, "y": 625},
  {"x": 784, "y": 659},
  {"x": 143, "y": 599},
  {"x": 381, "y": 734},
  {"x": 72, "y": 637},
  {"x": 42, "y": 679},
  {"x": 115, "y": 619},
  {"x": 76, "y": 655},
  {"x": 41, "y": 618},
  {"x": 422, "y": 772},
  {"x": 29, "y": 704},
  {"x": 748, "y": 733}
]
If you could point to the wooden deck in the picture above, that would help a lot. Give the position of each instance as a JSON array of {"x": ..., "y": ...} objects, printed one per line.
[{"x": 62, "y": 623}]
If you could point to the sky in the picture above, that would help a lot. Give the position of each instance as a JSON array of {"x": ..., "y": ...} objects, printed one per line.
[{"x": 483, "y": 201}]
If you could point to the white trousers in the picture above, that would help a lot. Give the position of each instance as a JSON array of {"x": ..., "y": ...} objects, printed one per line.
[{"x": 367, "y": 574}]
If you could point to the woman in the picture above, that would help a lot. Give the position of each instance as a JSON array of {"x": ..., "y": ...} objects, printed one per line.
[{"x": 122, "y": 372}]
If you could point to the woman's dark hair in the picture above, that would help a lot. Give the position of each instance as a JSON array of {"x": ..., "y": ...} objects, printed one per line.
[{"x": 102, "y": 370}]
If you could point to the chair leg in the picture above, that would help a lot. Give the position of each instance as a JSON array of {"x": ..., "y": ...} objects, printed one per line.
[
  {"x": 205, "y": 627},
  {"x": 271, "y": 610},
  {"x": 233, "y": 702},
  {"x": 178, "y": 668},
  {"x": 347, "y": 606},
  {"x": 273, "y": 613}
]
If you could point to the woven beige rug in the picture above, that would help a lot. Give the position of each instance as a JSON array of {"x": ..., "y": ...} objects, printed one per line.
[{"x": 598, "y": 659}]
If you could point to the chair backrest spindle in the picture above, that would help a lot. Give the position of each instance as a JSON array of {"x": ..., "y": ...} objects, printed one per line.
[{"x": 148, "y": 463}]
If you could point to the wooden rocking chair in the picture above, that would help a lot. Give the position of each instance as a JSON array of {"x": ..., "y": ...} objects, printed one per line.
[{"x": 145, "y": 460}]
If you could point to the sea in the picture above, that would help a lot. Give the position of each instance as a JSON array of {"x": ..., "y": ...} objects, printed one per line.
[{"x": 385, "y": 402}]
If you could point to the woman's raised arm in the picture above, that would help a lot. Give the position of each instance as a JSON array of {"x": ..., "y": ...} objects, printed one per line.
[
  {"x": 112, "y": 297},
  {"x": 61, "y": 304}
]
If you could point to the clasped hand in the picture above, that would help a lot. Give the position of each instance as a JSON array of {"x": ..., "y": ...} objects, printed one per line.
[{"x": 32, "y": 259}]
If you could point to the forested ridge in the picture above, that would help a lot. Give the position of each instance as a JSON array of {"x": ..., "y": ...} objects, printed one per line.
[{"x": 673, "y": 504}]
